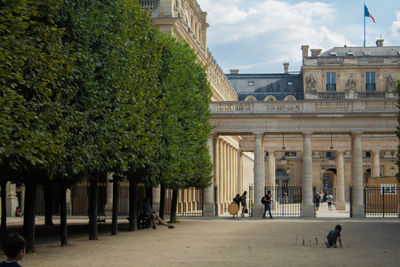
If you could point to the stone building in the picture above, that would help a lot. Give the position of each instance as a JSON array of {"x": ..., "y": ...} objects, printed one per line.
[
  {"x": 330, "y": 126},
  {"x": 334, "y": 84}
]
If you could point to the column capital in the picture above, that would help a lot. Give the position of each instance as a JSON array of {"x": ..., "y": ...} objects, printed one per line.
[
  {"x": 307, "y": 133},
  {"x": 357, "y": 132},
  {"x": 258, "y": 133}
]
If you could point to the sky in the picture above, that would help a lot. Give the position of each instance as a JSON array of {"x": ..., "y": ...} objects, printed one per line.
[{"x": 258, "y": 36}]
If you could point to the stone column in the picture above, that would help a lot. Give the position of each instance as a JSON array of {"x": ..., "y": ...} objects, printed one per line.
[
  {"x": 340, "y": 199},
  {"x": 68, "y": 201},
  {"x": 12, "y": 200},
  {"x": 258, "y": 175},
  {"x": 225, "y": 177},
  {"x": 308, "y": 206},
  {"x": 156, "y": 194},
  {"x": 375, "y": 168},
  {"x": 221, "y": 176},
  {"x": 271, "y": 176},
  {"x": 209, "y": 202},
  {"x": 271, "y": 168},
  {"x": 217, "y": 173},
  {"x": 108, "y": 206},
  {"x": 239, "y": 171},
  {"x": 357, "y": 176}
]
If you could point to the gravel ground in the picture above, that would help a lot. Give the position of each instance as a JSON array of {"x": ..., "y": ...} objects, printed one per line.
[{"x": 227, "y": 242}]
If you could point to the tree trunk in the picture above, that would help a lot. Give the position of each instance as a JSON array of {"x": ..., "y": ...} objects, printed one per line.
[
  {"x": 162, "y": 201},
  {"x": 48, "y": 204},
  {"x": 63, "y": 215},
  {"x": 93, "y": 192},
  {"x": 133, "y": 192},
  {"x": 173, "y": 206},
  {"x": 3, "y": 207},
  {"x": 114, "y": 229},
  {"x": 29, "y": 214}
]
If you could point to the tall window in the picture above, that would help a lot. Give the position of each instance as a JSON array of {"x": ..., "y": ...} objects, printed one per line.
[
  {"x": 331, "y": 81},
  {"x": 370, "y": 81}
]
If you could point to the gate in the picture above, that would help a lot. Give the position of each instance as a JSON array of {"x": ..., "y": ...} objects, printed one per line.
[
  {"x": 382, "y": 201},
  {"x": 287, "y": 200},
  {"x": 190, "y": 202}
]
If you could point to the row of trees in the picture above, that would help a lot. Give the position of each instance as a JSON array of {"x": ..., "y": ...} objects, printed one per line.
[{"x": 91, "y": 87}]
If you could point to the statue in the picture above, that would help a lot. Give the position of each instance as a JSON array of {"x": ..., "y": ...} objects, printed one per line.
[
  {"x": 390, "y": 83},
  {"x": 311, "y": 84},
  {"x": 350, "y": 84}
]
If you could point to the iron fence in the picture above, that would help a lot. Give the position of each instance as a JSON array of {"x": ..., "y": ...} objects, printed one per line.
[
  {"x": 190, "y": 202},
  {"x": 286, "y": 200},
  {"x": 382, "y": 201}
]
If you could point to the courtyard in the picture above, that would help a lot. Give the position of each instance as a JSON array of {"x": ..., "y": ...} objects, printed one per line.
[{"x": 225, "y": 242}]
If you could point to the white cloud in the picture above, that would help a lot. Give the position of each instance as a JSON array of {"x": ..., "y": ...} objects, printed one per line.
[
  {"x": 275, "y": 29},
  {"x": 394, "y": 35}
]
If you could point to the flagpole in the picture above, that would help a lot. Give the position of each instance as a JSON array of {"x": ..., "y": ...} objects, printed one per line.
[{"x": 364, "y": 24}]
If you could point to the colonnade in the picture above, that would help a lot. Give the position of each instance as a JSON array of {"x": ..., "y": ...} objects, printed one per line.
[
  {"x": 227, "y": 168},
  {"x": 222, "y": 151}
]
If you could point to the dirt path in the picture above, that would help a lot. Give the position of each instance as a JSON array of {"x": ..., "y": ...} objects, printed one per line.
[{"x": 224, "y": 242}]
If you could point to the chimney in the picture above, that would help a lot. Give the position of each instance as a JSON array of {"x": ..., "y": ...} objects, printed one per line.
[
  {"x": 234, "y": 71},
  {"x": 379, "y": 42},
  {"x": 315, "y": 52},
  {"x": 286, "y": 67},
  {"x": 304, "y": 49}
]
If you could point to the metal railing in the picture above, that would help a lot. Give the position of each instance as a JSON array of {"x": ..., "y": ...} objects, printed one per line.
[
  {"x": 382, "y": 201},
  {"x": 190, "y": 202},
  {"x": 287, "y": 200},
  {"x": 149, "y": 4},
  {"x": 331, "y": 95},
  {"x": 371, "y": 95}
]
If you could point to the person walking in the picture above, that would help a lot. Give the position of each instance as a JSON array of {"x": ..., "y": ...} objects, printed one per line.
[
  {"x": 329, "y": 199},
  {"x": 317, "y": 200},
  {"x": 266, "y": 200},
  {"x": 237, "y": 200},
  {"x": 243, "y": 202}
]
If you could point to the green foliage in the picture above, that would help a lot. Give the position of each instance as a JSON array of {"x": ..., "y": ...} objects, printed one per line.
[
  {"x": 184, "y": 160},
  {"x": 112, "y": 98},
  {"x": 89, "y": 87},
  {"x": 32, "y": 60}
]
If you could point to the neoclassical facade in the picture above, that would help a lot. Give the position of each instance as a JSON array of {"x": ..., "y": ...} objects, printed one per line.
[
  {"x": 329, "y": 126},
  {"x": 332, "y": 130}
]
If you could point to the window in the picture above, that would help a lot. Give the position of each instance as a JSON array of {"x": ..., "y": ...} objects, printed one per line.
[
  {"x": 251, "y": 83},
  {"x": 370, "y": 81},
  {"x": 290, "y": 83},
  {"x": 331, "y": 81}
]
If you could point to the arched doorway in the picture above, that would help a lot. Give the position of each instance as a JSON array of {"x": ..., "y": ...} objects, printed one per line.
[
  {"x": 328, "y": 180},
  {"x": 281, "y": 177}
]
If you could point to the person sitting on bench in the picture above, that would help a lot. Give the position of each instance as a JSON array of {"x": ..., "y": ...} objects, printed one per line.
[{"x": 153, "y": 214}]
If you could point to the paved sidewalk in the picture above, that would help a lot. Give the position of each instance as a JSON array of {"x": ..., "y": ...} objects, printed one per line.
[{"x": 324, "y": 212}]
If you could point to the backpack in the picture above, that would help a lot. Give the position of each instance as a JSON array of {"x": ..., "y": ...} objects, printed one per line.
[{"x": 262, "y": 200}]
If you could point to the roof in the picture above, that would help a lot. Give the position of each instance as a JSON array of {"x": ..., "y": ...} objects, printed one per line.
[
  {"x": 278, "y": 85},
  {"x": 382, "y": 51}
]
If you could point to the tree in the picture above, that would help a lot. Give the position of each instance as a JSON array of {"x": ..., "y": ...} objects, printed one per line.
[
  {"x": 183, "y": 157},
  {"x": 113, "y": 89},
  {"x": 32, "y": 58}
]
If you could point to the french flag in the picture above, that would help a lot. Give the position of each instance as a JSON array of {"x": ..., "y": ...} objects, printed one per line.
[{"x": 367, "y": 14}]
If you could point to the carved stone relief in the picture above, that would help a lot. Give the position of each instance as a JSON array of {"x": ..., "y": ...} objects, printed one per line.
[
  {"x": 390, "y": 83},
  {"x": 311, "y": 84},
  {"x": 350, "y": 84}
]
